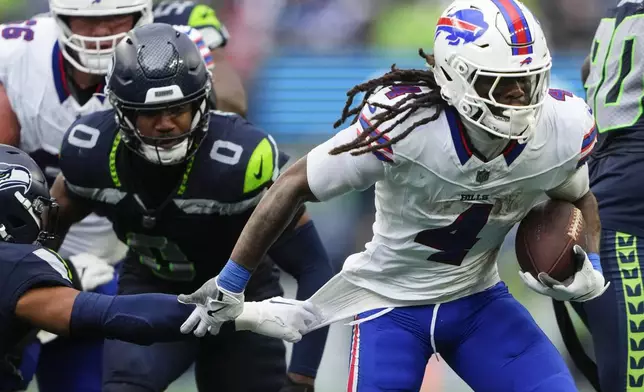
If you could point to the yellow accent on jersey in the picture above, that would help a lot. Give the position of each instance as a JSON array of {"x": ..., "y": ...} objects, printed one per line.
[
  {"x": 202, "y": 16},
  {"x": 67, "y": 268},
  {"x": 260, "y": 166},
  {"x": 113, "y": 173}
]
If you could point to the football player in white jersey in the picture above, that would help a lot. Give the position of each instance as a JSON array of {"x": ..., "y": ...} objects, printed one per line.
[
  {"x": 52, "y": 71},
  {"x": 458, "y": 154}
]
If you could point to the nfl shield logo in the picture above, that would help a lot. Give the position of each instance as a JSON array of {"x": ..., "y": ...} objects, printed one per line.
[{"x": 482, "y": 175}]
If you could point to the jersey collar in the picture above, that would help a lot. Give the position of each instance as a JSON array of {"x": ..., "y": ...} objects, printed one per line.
[
  {"x": 60, "y": 76},
  {"x": 463, "y": 145}
]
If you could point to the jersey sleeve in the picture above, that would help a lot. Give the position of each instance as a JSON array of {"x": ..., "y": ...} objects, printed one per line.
[
  {"x": 574, "y": 187},
  {"x": 86, "y": 155},
  {"x": 575, "y": 137},
  {"x": 198, "y": 16},
  {"x": 244, "y": 159},
  {"x": 263, "y": 160},
  {"x": 578, "y": 125},
  {"x": 39, "y": 268},
  {"x": 588, "y": 142},
  {"x": 334, "y": 175}
]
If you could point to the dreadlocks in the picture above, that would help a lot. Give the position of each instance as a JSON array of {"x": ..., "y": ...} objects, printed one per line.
[{"x": 410, "y": 104}]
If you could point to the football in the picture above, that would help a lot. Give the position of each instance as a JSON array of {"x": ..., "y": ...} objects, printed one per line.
[{"x": 545, "y": 239}]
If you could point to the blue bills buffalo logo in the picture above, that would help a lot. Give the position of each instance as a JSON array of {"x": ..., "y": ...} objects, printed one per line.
[{"x": 462, "y": 27}]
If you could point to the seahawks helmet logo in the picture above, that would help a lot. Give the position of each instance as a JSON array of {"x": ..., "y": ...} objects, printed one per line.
[{"x": 14, "y": 176}]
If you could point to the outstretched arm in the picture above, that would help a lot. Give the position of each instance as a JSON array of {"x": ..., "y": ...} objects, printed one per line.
[
  {"x": 141, "y": 319},
  {"x": 272, "y": 215},
  {"x": 316, "y": 177}
]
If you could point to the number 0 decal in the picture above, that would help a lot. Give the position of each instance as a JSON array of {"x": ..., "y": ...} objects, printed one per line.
[
  {"x": 83, "y": 136},
  {"x": 226, "y": 152}
]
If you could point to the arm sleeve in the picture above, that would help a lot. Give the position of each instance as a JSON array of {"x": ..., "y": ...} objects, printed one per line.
[{"x": 334, "y": 175}]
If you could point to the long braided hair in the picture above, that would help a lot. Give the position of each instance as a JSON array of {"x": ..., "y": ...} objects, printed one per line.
[{"x": 362, "y": 144}]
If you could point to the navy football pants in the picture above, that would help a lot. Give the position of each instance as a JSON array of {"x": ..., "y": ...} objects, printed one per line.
[
  {"x": 489, "y": 339},
  {"x": 616, "y": 319}
]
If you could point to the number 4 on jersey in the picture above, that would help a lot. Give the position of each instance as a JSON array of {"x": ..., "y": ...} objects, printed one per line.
[{"x": 454, "y": 241}]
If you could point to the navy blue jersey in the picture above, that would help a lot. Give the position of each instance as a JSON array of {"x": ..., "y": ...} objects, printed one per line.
[
  {"x": 22, "y": 267},
  {"x": 199, "y": 16},
  {"x": 614, "y": 92},
  {"x": 182, "y": 221}
]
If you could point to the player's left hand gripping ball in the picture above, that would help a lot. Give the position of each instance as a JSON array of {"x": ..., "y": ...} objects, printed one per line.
[
  {"x": 218, "y": 300},
  {"x": 587, "y": 283}
]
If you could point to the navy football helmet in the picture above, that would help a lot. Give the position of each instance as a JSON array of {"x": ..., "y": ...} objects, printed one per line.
[
  {"x": 25, "y": 204},
  {"x": 157, "y": 69}
]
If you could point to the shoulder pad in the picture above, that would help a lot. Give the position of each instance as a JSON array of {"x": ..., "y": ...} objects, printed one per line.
[
  {"x": 390, "y": 96},
  {"x": 244, "y": 158},
  {"x": 575, "y": 124},
  {"x": 25, "y": 266},
  {"x": 87, "y": 150},
  {"x": 199, "y": 16}
]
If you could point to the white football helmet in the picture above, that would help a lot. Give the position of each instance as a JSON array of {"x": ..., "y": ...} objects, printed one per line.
[
  {"x": 484, "y": 44},
  {"x": 83, "y": 52}
]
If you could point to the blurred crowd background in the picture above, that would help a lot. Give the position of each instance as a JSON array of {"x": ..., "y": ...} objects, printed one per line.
[{"x": 299, "y": 57}]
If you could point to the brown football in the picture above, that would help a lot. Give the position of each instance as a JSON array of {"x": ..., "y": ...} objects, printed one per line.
[{"x": 545, "y": 239}]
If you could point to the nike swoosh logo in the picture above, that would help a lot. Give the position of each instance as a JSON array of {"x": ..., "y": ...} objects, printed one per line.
[
  {"x": 273, "y": 301},
  {"x": 258, "y": 175},
  {"x": 211, "y": 313}
]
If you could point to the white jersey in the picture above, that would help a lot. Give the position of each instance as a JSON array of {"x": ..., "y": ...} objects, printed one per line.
[
  {"x": 31, "y": 70},
  {"x": 442, "y": 213}
]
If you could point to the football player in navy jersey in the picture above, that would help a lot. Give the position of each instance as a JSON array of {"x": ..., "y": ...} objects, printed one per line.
[
  {"x": 37, "y": 286},
  {"x": 612, "y": 76},
  {"x": 178, "y": 182}
]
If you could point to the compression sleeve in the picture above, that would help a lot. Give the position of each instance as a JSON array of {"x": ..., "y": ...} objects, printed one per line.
[{"x": 141, "y": 319}]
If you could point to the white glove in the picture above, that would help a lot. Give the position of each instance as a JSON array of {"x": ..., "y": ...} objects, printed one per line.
[
  {"x": 586, "y": 284},
  {"x": 280, "y": 318},
  {"x": 218, "y": 305},
  {"x": 93, "y": 271}
]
